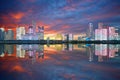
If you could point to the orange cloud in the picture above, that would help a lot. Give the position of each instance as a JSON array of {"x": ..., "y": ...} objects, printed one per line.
[
  {"x": 50, "y": 32},
  {"x": 65, "y": 27},
  {"x": 6, "y": 19},
  {"x": 18, "y": 15},
  {"x": 12, "y": 18}
]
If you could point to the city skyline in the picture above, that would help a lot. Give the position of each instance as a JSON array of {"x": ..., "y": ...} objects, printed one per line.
[
  {"x": 59, "y": 16},
  {"x": 34, "y": 32},
  {"x": 59, "y": 39}
]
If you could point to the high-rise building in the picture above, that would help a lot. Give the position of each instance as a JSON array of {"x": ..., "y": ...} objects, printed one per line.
[
  {"x": 111, "y": 33},
  {"x": 106, "y": 33},
  {"x": 101, "y": 34},
  {"x": 90, "y": 31},
  {"x": 31, "y": 30},
  {"x": 9, "y": 35},
  {"x": 20, "y": 31},
  {"x": 98, "y": 34},
  {"x": 68, "y": 37},
  {"x": 40, "y": 33},
  {"x": 34, "y": 27},
  {"x": 32, "y": 34},
  {"x": 2, "y": 33}
]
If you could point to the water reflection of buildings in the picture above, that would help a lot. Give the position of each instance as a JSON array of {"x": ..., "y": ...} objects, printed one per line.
[
  {"x": 106, "y": 50},
  {"x": 9, "y": 49},
  {"x": 68, "y": 47},
  {"x": 32, "y": 51},
  {"x": 6, "y": 49},
  {"x": 97, "y": 52},
  {"x": 90, "y": 51}
]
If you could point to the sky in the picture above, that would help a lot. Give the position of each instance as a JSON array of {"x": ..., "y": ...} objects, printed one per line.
[{"x": 59, "y": 16}]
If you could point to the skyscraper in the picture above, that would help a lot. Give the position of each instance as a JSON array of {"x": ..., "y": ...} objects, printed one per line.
[
  {"x": 20, "y": 31},
  {"x": 101, "y": 34},
  {"x": 31, "y": 30},
  {"x": 32, "y": 34},
  {"x": 106, "y": 33},
  {"x": 34, "y": 27},
  {"x": 40, "y": 33},
  {"x": 90, "y": 34},
  {"x": 2, "y": 33},
  {"x": 9, "y": 35},
  {"x": 68, "y": 37}
]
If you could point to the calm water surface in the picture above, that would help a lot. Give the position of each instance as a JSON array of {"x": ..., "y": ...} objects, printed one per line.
[{"x": 60, "y": 62}]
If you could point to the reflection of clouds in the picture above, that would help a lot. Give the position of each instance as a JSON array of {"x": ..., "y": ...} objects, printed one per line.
[
  {"x": 17, "y": 68},
  {"x": 64, "y": 65},
  {"x": 13, "y": 69}
]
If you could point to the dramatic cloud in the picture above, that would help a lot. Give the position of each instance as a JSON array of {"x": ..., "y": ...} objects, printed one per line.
[{"x": 59, "y": 16}]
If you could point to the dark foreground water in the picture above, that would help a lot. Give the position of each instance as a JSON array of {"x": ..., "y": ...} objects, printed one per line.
[{"x": 60, "y": 62}]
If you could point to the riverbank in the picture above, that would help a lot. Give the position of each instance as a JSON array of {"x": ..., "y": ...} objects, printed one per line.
[{"x": 57, "y": 42}]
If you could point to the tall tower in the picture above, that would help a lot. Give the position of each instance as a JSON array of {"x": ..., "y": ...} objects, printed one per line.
[
  {"x": 41, "y": 32},
  {"x": 2, "y": 33},
  {"x": 20, "y": 31},
  {"x": 34, "y": 27},
  {"x": 90, "y": 30},
  {"x": 9, "y": 35}
]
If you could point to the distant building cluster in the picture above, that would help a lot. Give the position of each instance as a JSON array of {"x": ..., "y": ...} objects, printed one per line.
[
  {"x": 68, "y": 37},
  {"x": 31, "y": 34},
  {"x": 106, "y": 33},
  {"x": 22, "y": 34},
  {"x": 6, "y": 34},
  {"x": 103, "y": 32}
]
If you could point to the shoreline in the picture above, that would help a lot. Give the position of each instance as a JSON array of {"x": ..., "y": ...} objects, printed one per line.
[{"x": 57, "y": 42}]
